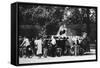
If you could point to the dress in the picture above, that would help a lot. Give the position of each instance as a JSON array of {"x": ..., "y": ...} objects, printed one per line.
[{"x": 39, "y": 46}]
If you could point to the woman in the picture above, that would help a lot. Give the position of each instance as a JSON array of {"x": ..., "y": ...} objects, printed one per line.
[{"x": 39, "y": 43}]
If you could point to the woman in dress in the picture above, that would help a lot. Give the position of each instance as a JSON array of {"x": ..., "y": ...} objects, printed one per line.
[{"x": 39, "y": 43}]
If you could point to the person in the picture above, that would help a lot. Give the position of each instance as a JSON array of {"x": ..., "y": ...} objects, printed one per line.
[
  {"x": 45, "y": 48},
  {"x": 25, "y": 42},
  {"x": 31, "y": 48},
  {"x": 67, "y": 48},
  {"x": 76, "y": 47},
  {"x": 39, "y": 43},
  {"x": 20, "y": 47},
  {"x": 24, "y": 45},
  {"x": 53, "y": 43}
]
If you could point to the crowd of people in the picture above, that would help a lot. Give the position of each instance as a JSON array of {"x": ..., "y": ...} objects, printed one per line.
[{"x": 54, "y": 45}]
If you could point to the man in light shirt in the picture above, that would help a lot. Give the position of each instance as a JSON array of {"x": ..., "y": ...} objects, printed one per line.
[
  {"x": 24, "y": 45},
  {"x": 26, "y": 42}
]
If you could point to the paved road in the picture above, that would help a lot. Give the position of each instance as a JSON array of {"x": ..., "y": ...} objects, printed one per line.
[{"x": 88, "y": 56}]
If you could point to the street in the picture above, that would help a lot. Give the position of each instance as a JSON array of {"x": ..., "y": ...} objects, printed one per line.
[{"x": 87, "y": 56}]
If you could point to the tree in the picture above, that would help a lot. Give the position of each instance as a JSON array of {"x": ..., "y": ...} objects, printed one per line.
[{"x": 46, "y": 16}]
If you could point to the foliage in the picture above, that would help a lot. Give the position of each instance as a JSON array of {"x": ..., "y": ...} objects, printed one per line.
[{"x": 46, "y": 16}]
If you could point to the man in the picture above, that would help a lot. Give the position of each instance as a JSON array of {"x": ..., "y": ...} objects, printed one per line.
[
  {"x": 53, "y": 48},
  {"x": 24, "y": 45},
  {"x": 67, "y": 48},
  {"x": 33, "y": 47},
  {"x": 25, "y": 42},
  {"x": 45, "y": 48}
]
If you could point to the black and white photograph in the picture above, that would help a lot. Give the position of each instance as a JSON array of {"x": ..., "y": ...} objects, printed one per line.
[{"x": 56, "y": 33}]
